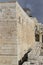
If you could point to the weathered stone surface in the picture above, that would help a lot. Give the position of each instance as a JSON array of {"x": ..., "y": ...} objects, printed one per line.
[
  {"x": 25, "y": 31},
  {"x": 8, "y": 34},
  {"x": 8, "y": 50},
  {"x": 26, "y": 63},
  {"x": 8, "y": 60},
  {"x": 17, "y": 35}
]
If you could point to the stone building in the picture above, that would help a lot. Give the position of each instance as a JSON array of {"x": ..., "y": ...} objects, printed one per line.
[
  {"x": 18, "y": 33},
  {"x": 30, "y": 35}
]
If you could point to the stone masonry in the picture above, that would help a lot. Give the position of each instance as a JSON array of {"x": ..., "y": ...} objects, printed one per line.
[
  {"x": 14, "y": 31},
  {"x": 17, "y": 35},
  {"x": 8, "y": 34},
  {"x": 27, "y": 28}
]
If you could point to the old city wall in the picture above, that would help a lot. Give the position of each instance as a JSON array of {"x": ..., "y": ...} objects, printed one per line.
[
  {"x": 25, "y": 31},
  {"x": 8, "y": 43}
]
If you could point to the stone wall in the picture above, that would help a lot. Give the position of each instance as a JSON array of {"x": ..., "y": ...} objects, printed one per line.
[
  {"x": 17, "y": 33},
  {"x": 8, "y": 34},
  {"x": 25, "y": 31}
]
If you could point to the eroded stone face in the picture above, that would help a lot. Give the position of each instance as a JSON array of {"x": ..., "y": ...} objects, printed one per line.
[
  {"x": 8, "y": 60},
  {"x": 15, "y": 34},
  {"x": 7, "y": 10},
  {"x": 8, "y": 42}
]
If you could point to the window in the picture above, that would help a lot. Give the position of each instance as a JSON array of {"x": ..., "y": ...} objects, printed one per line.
[
  {"x": 42, "y": 38},
  {"x": 37, "y": 37}
]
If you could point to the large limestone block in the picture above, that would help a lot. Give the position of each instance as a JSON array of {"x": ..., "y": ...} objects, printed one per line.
[
  {"x": 8, "y": 50},
  {"x": 8, "y": 43},
  {"x": 8, "y": 32},
  {"x": 8, "y": 36},
  {"x": 8, "y": 60},
  {"x": 6, "y": 10}
]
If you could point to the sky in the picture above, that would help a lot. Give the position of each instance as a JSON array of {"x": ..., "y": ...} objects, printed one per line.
[
  {"x": 6, "y": 0},
  {"x": 36, "y": 7}
]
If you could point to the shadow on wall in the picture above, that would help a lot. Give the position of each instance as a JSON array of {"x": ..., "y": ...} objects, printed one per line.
[{"x": 24, "y": 58}]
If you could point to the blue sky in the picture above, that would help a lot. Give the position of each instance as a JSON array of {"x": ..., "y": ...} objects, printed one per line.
[
  {"x": 36, "y": 7},
  {"x": 3, "y": 0},
  {"x": 6, "y": 0}
]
